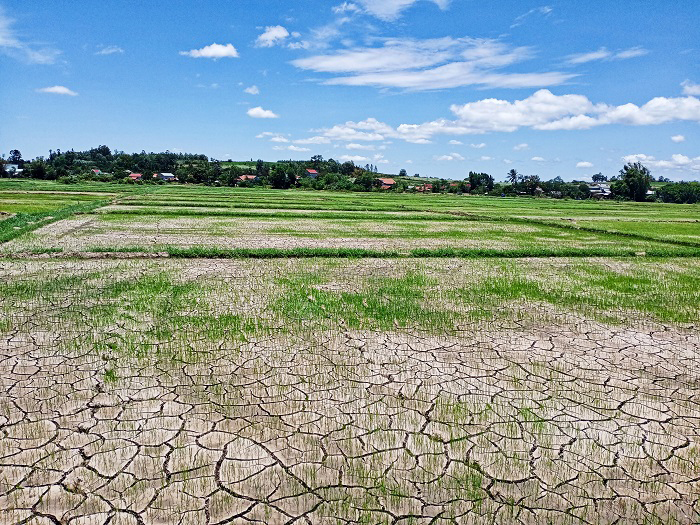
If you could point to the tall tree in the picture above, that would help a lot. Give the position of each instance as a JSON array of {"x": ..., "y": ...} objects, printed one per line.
[
  {"x": 513, "y": 177},
  {"x": 634, "y": 182}
]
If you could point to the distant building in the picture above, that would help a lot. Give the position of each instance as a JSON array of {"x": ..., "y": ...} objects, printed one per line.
[
  {"x": 249, "y": 178},
  {"x": 97, "y": 172},
  {"x": 135, "y": 176},
  {"x": 167, "y": 177},
  {"x": 600, "y": 191},
  {"x": 386, "y": 184},
  {"x": 424, "y": 188},
  {"x": 312, "y": 173},
  {"x": 12, "y": 168}
]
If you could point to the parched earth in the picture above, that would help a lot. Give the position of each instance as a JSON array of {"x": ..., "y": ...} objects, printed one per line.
[{"x": 577, "y": 423}]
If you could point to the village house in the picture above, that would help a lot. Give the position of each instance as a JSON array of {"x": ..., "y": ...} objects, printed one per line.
[
  {"x": 312, "y": 173},
  {"x": 386, "y": 184},
  {"x": 247, "y": 178},
  {"x": 167, "y": 177},
  {"x": 424, "y": 188},
  {"x": 600, "y": 191},
  {"x": 135, "y": 176}
]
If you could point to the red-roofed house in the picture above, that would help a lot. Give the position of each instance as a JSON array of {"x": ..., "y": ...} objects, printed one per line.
[
  {"x": 312, "y": 173},
  {"x": 386, "y": 184},
  {"x": 135, "y": 176},
  {"x": 97, "y": 172},
  {"x": 427, "y": 188},
  {"x": 249, "y": 178}
]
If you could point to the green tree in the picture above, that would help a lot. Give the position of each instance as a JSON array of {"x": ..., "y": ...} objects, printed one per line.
[
  {"x": 402, "y": 173},
  {"x": 513, "y": 177},
  {"x": 634, "y": 182}
]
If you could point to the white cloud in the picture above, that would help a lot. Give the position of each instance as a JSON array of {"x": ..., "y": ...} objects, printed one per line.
[
  {"x": 584, "y": 165},
  {"x": 313, "y": 140},
  {"x": 676, "y": 162},
  {"x": 353, "y": 158},
  {"x": 279, "y": 138},
  {"x": 541, "y": 111},
  {"x": 455, "y": 142},
  {"x": 484, "y": 157},
  {"x": 678, "y": 138},
  {"x": 537, "y": 159},
  {"x": 605, "y": 54},
  {"x": 346, "y": 7},
  {"x": 430, "y": 64},
  {"x": 290, "y": 148},
  {"x": 58, "y": 90},
  {"x": 12, "y": 46},
  {"x": 689, "y": 88},
  {"x": 259, "y": 112},
  {"x": 389, "y": 10},
  {"x": 450, "y": 157},
  {"x": 272, "y": 36},
  {"x": 214, "y": 51},
  {"x": 478, "y": 146},
  {"x": 379, "y": 159},
  {"x": 544, "y": 10},
  {"x": 110, "y": 50},
  {"x": 252, "y": 90},
  {"x": 368, "y": 147}
]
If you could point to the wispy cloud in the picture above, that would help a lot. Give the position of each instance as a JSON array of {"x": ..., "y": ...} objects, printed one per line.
[
  {"x": 386, "y": 10},
  {"x": 584, "y": 164},
  {"x": 19, "y": 49},
  {"x": 605, "y": 54},
  {"x": 259, "y": 112},
  {"x": 544, "y": 10},
  {"x": 678, "y": 138},
  {"x": 450, "y": 157},
  {"x": 252, "y": 90},
  {"x": 214, "y": 51},
  {"x": 58, "y": 90},
  {"x": 110, "y": 50},
  {"x": 430, "y": 64}
]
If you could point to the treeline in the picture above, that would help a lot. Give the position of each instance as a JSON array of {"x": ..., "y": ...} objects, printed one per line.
[{"x": 102, "y": 164}]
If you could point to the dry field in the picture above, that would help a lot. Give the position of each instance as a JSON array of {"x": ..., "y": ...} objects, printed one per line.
[{"x": 493, "y": 390}]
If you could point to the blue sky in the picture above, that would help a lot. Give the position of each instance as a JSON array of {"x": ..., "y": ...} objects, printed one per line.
[{"x": 437, "y": 87}]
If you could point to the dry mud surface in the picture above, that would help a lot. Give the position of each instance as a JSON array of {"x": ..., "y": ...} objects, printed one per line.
[{"x": 571, "y": 423}]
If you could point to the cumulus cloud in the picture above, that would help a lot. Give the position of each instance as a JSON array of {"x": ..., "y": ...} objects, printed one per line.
[
  {"x": 58, "y": 90},
  {"x": 368, "y": 147},
  {"x": 678, "y": 138},
  {"x": 110, "y": 50},
  {"x": 690, "y": 88},
  {"x": 313, "y": 140},
  {"x": 353, "y": 158},
  {"x": 455, "y": 142},
  {"x": 605, "y": 54},
  {"x": 676, "y": 162},
  {"x": 537, "y": 159},
  {"x": 272, "y": 36},
  {"x": 290, "y": 148},
  {"x": 214, "y": 51},
  {"x": 258, "y": 112},
  {"x": 450, "y": 157},
  {"x": 540, "y": 111},
  {"x": 252, "y": 90},
  {"x": 430, "y": 64},
  {"x": 584, "y": 165},
  {"x": 19, "y": 49},
  {"x": 484, "y": 157},
  {"x": 478, "y": 146}
]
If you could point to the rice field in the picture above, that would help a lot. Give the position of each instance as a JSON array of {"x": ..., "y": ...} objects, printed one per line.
[{"x": 194, "y": 355}]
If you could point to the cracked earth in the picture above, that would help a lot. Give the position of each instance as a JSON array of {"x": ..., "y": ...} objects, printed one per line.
[{"x": 569, "y": 422}]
